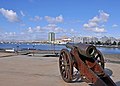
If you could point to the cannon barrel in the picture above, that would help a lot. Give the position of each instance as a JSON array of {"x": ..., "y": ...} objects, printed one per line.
[
  {"x": 84, "y": 49},
  {"x": 86, "y": 60}
]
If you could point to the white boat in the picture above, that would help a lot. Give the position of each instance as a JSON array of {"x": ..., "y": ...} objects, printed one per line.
[
  {"x": 10, "y": 50},
  {"x": 63, "y": 43}
]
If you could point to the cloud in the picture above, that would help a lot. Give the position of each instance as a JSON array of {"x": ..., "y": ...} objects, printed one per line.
[
  {"x": 90, "y": 24},
  {"x": 96, "y": 23},
  {"x": 99, "y": 29},
  {"x": 30, "y": 30},
  {"x": 72, "y": 31},
  {"x": 8, "y": 36},
  {"x": 36, "y": 18},
  {"x": 10, "y": 15},
  {"x": 21, "y": 12},
  {"x": 38, "y": 29},
  {"x": 57, "y": 19},
  {"x": 10, "y": 33},
  {"x": 103, "y": 16},
  {"x": 36, "y": 33},
  {"x": 57, "y": 29},
  {"x": 114, "y": 25},
  {"x": 35, "y": 29},
  {"x": 53, "y": 28}
]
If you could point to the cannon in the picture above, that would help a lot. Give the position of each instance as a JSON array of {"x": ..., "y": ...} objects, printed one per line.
[{"x": 83, "y": 62}]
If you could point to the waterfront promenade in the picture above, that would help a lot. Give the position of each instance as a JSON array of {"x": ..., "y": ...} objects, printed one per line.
[{"x": 24, "y": 70}]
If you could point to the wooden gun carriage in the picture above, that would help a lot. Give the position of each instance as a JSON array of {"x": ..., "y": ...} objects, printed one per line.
[{"x": 84, "y": 61}]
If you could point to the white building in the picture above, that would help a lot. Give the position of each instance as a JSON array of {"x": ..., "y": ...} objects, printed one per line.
[
  {"x": 104, "y": 39},
  {"x": 85, "y": 39}
]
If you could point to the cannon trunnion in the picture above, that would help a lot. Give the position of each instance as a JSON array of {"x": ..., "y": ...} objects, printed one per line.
[{"x": 83, "y": 62}]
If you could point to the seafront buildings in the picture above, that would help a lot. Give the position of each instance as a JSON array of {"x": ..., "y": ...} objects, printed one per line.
[
  {"x": 64, "y": 39},
  {"x": 85, "y": 39},
  {"x": 88, "y": 39}
]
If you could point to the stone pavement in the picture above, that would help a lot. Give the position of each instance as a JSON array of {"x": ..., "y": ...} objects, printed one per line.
[
  {"x": 31, "y": 71},
  {"x": 26, "y": 70}
]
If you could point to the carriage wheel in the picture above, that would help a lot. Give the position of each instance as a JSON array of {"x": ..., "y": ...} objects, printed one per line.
[
  {"x": 65, "y": 65},
  {"x": 100, "y": 59}
]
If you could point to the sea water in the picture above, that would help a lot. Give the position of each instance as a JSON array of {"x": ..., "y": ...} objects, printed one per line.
[{"x": 53, "y": 47}]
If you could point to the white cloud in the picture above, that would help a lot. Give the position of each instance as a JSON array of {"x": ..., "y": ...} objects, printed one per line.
[
  {"x": 57, "y": 19},
  {"x": 8, "y": 36},
  {"x": 10, "y": 15},
  {"x": 34, "y": 30},
  {"x": 96, "y": 23},
  {"x": 36, "y": 18},
  {"x": 103, "y": 16},
  {"x": 95, "y": 19},
  {"x": 38, "y": 29},
  {"x": 10, "y": 33},
  {"x": 90, "y": 24},
  {"x": 98, "y": 30},
  {"x": 36, "y": 33},
  {"x": 21, "y": 12},
  {"x": 51, "y": 26},
  {"x": 72, "y": 31},
  {"x": 30, "y": 30},
  {"x": 59, "y": 30},
  {"x": 114, "y": 25}
]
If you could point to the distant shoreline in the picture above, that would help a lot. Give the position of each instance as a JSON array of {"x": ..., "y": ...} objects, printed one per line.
[
  {"x": 109, "y": 58},
  {"x": 108, "y": 46},
  {"x": 34, "y": 44}
]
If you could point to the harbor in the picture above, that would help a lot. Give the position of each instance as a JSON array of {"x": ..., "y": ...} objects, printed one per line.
[{"x": 59, "y": 43}]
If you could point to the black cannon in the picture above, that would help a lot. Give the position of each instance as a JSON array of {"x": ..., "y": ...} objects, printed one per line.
[{"x": 84, "y": 61}]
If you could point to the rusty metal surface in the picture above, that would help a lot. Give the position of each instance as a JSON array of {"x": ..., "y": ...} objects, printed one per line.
[
  {"x": 84, "y": 49},
  {"x": 89, "y": 66}
]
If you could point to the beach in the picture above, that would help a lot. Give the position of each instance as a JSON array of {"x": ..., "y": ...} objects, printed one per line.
[{"x": 24, "y": 70}]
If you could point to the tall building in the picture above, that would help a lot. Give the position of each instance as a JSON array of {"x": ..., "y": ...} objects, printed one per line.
[{"x": 51, "y": 36}]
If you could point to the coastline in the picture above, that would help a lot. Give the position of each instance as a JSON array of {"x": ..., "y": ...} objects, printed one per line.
[
  {"x": 5, "y": 54},
  {"x": 108, "y": 46}
]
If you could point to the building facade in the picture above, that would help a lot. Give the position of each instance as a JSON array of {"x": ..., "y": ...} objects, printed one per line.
[{"x": 51, "y": 36}]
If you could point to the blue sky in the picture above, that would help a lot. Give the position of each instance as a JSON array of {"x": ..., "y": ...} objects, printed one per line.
[{"x": 33, "y": 19}]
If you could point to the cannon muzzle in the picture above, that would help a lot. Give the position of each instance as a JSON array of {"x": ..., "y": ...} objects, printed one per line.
[{"x": 84, "y": 49}]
